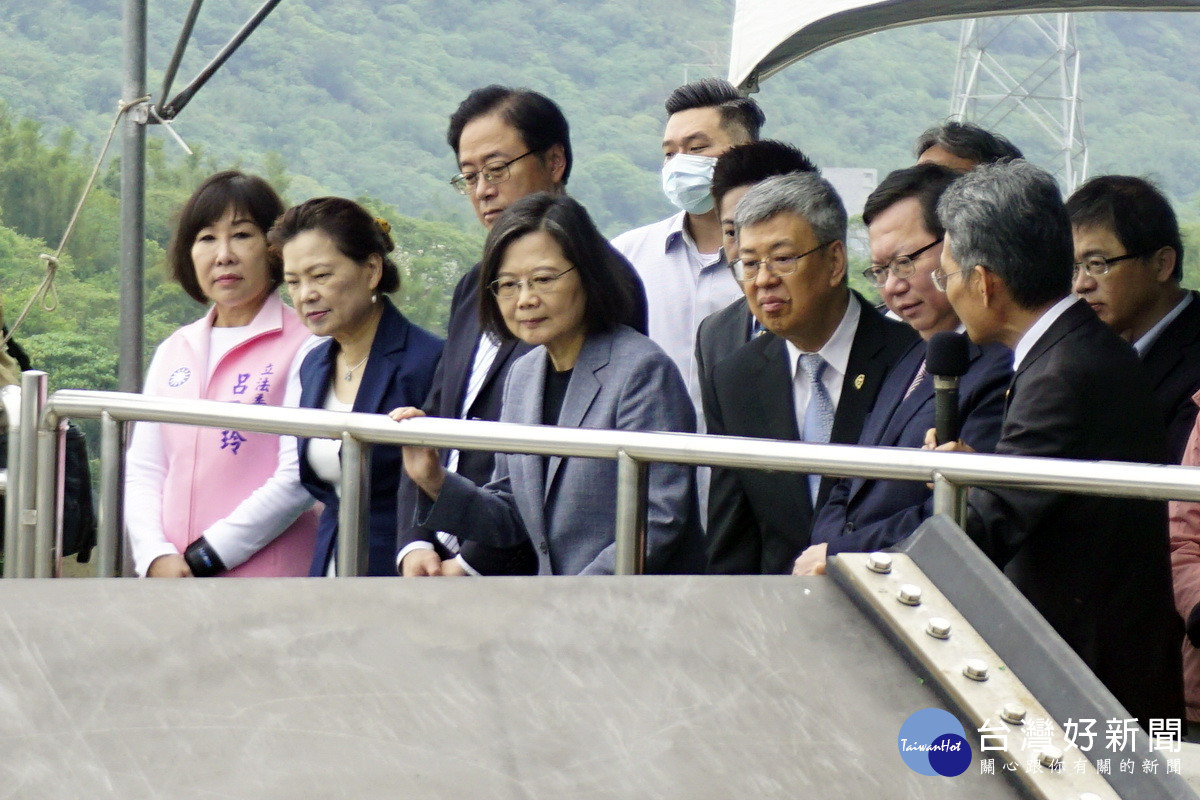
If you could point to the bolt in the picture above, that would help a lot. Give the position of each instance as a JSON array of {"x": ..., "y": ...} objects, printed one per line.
[
  {"x": 976, "y": 669},
  {"x": 909, "y": 594},
  {"x": 1013, "y": 713},
  {"x": 879, "y": 562},
  {"x": 938, "y": 628}
]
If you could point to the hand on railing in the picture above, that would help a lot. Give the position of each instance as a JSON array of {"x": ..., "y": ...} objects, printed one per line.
[
  {"x": 811, "y": 561},
  {"x": 172, "y": 565},
  {"x": 421, "y": 563},
  {"x": 423, "y": 464}
]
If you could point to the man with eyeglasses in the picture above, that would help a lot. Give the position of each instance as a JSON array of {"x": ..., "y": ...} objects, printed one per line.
[
  {"x": 906, "y": 242},
  {"x": 1095, "y": 566},
  {"x": 679, "y": 258},
  {"x": 813, "y": 377},
  {"x": 1128, "y": 265},
  {"x": 509, "y": 143}
]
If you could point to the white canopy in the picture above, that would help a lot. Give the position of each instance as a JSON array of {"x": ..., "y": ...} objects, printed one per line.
[{"x": 768, "y": 35}]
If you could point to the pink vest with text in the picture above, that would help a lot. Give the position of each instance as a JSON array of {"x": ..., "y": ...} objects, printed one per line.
[{"x": 211, "y": 471}]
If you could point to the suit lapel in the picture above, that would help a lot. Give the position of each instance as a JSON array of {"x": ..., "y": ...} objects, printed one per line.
[
  {"x": 390, "y": 338},
  {"x": 1069, "y": 320},
  {"x": 581, "y": 391},
  {"x": 864, "y": 372},
  {"x": 523, "y": 404},
  {"x": 771, "y": 388}
]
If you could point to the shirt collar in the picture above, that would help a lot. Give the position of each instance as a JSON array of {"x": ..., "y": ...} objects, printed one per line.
[
  {"x": 836, "y": 350},
  {"x": 1151, "y": 336},
  {"x": 1039, "y": 327}
]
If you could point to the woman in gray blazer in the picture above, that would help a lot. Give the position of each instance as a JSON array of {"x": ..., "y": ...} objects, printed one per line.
[{"x": 548, "y": 283}]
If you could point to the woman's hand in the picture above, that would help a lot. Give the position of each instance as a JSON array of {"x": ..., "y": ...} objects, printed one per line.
[
  {"x": 419, "y": 563},
  {"x": 422, "y": 464},
  {"x": 171, "y": 565}
]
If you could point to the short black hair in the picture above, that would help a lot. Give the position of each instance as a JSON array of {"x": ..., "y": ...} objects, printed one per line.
[
  {"x": 1009, "y": 216},
  {"x": 735, "y": 108},
  {"x": 753, "y": 162},
  {"x": 354, "y": 232},
  {"x": 536, "y": 117},
  {"x": 968, "y": 140},
  {"x": 607, "y": 298},
  {"x": 1134, "y": 209},
  {"x": 248, "y": 194},
  {"x": 926, "y": 182}
]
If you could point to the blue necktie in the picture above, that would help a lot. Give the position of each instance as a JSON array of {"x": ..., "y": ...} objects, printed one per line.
[{"x": 818, "y": 416}]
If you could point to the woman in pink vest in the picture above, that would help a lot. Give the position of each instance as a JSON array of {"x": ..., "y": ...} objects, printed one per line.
[{"x": 203, "y": 501}]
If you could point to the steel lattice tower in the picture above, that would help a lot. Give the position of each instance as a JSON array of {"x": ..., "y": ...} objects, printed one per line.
[{"x": 988, "y": 85}]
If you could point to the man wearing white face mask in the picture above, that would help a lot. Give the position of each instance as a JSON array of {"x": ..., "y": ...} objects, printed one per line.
[{"x": 679, "y": 259}]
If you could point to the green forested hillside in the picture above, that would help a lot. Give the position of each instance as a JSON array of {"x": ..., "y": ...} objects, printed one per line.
[
  {"x": 354, "y": 95},
  {"x": 352, "y": 98}
]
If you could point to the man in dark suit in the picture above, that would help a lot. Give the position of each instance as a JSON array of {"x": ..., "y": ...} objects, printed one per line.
[
  {"x": 1095, "y": 566},
  {"x": 814, "y": 378},
  {"x": 1128, "y": 264},
  {"x": 906, "y": 246},
  {"x": 508, "y": 143},
  {"x": 739, "y": 168}
]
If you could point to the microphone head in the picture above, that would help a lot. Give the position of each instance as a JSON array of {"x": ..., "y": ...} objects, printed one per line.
[{"x": 947, "y": 355}]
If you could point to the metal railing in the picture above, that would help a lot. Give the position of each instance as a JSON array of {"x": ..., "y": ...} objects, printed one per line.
[{"x": 950, "y": 473}]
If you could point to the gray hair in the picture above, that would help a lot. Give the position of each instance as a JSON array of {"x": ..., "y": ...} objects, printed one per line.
[
  {"x": 804, "y": 194},
  {"x": 1010, "y": 218}
]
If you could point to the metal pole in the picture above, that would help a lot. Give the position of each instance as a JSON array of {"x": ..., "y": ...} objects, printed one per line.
[
  {"x": 949, "y": 499},
  {"x": 354, "y": 513},
  {"x": 133, "y": 197},
  {"x": 12, "y": 503},
  {"x": 108, "y": 532},
  {"x": 48, "y": 546},
  {"x": 631, "y": 515},
  {"x": 33, "y": 400}
]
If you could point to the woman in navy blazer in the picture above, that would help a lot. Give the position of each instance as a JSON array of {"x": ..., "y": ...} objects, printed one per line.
[
  {"x": 546, "y": 281},
  {"x": 336, "y": 267}
]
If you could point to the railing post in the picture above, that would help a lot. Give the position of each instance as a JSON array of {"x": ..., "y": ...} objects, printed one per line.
[
  {"x": 108, "y": 528},
  {"x": 33, "y": 400},
  {"x": 631, "y": 515},
  {"x": 48, "y": 548},
  {"x": 950, "y": 499},
  {"x": 354, "y": 512},
  {"x": 11, "y": 396}
]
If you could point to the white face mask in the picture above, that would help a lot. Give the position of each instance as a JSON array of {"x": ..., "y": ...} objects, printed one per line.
[{"x": 687, "y": 182}]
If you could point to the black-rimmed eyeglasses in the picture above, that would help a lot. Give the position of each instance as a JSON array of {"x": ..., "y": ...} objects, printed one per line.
[{"x": 1099, "y": 265}]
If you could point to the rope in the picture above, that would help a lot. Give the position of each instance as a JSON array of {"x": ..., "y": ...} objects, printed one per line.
[{"x": 47, "y": 290}]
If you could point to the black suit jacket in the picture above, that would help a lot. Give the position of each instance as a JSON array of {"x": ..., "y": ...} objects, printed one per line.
[
  {"x": 448, "y": 394},
  {"x": 862, "y": 515},
  {"x": 1096, "y": 567},
  {"x": 721, "y": 333},
  {"x": 758, "y": 522},
  {"x": 1173, "y": 362}
]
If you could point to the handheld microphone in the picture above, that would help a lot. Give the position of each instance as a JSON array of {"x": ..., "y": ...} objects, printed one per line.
[{"x": 946, "y": 359}]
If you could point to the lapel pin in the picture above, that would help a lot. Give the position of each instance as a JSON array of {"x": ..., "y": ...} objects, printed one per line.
[{"x": 858, "y": 382}]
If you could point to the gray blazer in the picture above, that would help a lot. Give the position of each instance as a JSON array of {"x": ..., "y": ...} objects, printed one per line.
[{"x": 566, "y": 506}]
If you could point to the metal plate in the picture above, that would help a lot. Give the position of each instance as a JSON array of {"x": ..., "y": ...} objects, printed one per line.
[{"x": 705, "y": 687}]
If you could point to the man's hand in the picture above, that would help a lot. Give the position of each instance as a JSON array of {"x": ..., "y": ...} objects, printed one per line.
[
  {"x": 171, "y": 565},
  {"x": 422, "y": 464},
  {"x": 958, "y": 446},
  {"x": 812, "y": 560},
  {"x": 420, "y": 562}
]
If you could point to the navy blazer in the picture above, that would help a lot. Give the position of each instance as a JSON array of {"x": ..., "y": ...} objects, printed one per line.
[
  {"x": 398, "y": 373},
  {"x": 758, "y": 521},
  {"x": 861, "y": 514},
  {"x": 566, "y": 507},
  {"x": 448, "y": 393}
]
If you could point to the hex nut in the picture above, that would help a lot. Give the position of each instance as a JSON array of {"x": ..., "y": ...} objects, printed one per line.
[
  {"x": 909, "y": 594},
  {"x": 938, "y": 628},
  {"x": 880, "y": 563},
  {"x": 976, "y": 669}
]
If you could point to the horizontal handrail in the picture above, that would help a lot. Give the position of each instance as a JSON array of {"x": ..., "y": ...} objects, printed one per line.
[{"x": 974, "y": 469}]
